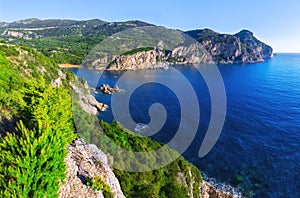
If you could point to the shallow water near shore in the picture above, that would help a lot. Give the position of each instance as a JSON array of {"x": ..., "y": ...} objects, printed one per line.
[{"x": 258, "y": 150}]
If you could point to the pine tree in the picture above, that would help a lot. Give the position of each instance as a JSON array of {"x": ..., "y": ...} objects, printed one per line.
[{"x": 32, "y": 158}]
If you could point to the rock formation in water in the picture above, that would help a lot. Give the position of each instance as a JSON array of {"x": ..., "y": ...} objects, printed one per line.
[{"x": 106, "y": 89}]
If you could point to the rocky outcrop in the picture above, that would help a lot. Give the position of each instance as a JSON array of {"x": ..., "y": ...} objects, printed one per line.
[
  {"x": 242, "y": 47},
  {"x": 105, "y": 88},
  {"x": 86, "y": 160},
  {"x": 86, "y": 100},
  {"x": 139, "y": 60},
  {"x": 209, "y": 48},
  {"x": 3, "y": 24},
  {"x": 83, "y": 161},
  {"x": 158, "y": 58},
  {"x": 58, "y": 81},
  {"x": 254, "y": 46},
  {"x": 208, "y": 191}
]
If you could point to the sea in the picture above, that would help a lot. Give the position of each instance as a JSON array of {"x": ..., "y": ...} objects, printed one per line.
[{"x": 258, "y": 151}]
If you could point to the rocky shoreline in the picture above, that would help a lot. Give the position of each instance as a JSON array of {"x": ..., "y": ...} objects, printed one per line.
[
  {"x": 94, "y": 161},
  {"x": 86, "y": 160},
  {"x": 86, "y": 100}
]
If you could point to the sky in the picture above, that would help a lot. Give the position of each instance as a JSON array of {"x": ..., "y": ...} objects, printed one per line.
[{"x": 275, "y": 22}]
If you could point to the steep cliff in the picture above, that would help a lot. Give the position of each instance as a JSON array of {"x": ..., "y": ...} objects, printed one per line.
[
  {"x": 211, "y": 48},
  {"x": 86, "y": 161},
  {"x": 242, "y": 47},
  {"x": 159, "y": 58}
]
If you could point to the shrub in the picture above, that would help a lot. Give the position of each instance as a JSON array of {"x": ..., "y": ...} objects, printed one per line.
[
  {"x": 97, "y": 184},
  {"x": 32, "y": 158}
]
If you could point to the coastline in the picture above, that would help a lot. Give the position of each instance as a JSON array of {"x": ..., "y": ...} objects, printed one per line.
[
  {"x": 67, "y": 65},
  {"x": 210, "y": 187}
]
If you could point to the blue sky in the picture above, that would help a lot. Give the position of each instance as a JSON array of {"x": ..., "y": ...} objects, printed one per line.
[{"x": 275, "y": 22}]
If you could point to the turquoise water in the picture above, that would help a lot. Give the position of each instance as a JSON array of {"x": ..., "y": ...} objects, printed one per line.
[{"x": 260, "y": 140}]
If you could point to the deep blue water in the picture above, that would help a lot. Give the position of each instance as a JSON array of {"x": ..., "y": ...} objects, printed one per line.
[{"x": 260, "y": 140}]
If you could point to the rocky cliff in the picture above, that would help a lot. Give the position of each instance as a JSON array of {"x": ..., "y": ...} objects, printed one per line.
[
  {"x": 84, "y": 161},
  {"x": 160, "y": 58},
  {"x": 211, "y": 48},
  {"x": 242, "y": 47}
]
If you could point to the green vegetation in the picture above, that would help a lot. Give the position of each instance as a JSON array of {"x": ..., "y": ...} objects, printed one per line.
[
  {"x": 141, "y": 49},
  {"x": 162, "y": 182},
  {"x": 97, "y": 184},
  {"x": 173, "y": 179},
  {"x": 10, "y": 82},
  {"x": 32, "y": 156},
  {"x": 66, "y": 41},
  {"x": 18, "y": 64},
  {"x": 71, "y": 49}
]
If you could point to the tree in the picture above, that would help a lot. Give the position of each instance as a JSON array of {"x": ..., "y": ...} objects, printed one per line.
[{"x": 32, "y": 158}]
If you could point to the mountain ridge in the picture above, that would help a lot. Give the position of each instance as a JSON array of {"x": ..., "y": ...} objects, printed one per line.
[{"x": 69, "y": 41}]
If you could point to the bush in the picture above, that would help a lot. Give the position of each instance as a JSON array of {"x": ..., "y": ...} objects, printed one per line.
[
  {"x": 97, "y": 184},
  {"x": 32, "y": 158},
  {"x": 162, "y": 182}
]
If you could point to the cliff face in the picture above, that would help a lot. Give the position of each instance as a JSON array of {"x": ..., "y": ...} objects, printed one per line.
[
  {"x": 211, "y": 48},
  {"x": 253, "y": 45},
  {"x": 242, "y": 47},
  {"x": 158, "y": 58},
  {"x": 86, "y": 160},
  {"x": 83, "y": 161}
]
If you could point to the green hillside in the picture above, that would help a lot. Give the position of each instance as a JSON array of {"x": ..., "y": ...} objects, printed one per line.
[{"x": 36, "y": 120}]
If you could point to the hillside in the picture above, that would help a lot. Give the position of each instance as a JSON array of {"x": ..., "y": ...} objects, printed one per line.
[
  {"x": 242, "y": 47},
  {"x": 66, "y": 41},
  {"x": 69, "y": 41},
  {"x": 42, "y": 155}
]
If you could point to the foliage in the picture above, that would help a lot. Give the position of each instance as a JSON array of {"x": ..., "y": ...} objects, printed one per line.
[
  {"x": 9, "y": 51},
  {"x": 162, "y": 182},
  {"x": 97, "y": 184},
  {"x": 141, "y": 49},
  {"x": 10, "y": 82},
  {"x": 17, "y": 64},
  {"x": 32, "y": 157},
  {"x": 67, "y": 41}
]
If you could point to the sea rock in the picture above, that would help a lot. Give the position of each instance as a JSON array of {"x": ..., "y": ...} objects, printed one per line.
[
  {"x": 101, "y": 106},
  {"x": 105, "y": 88},
  {"x": 86, "y": 160}
]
